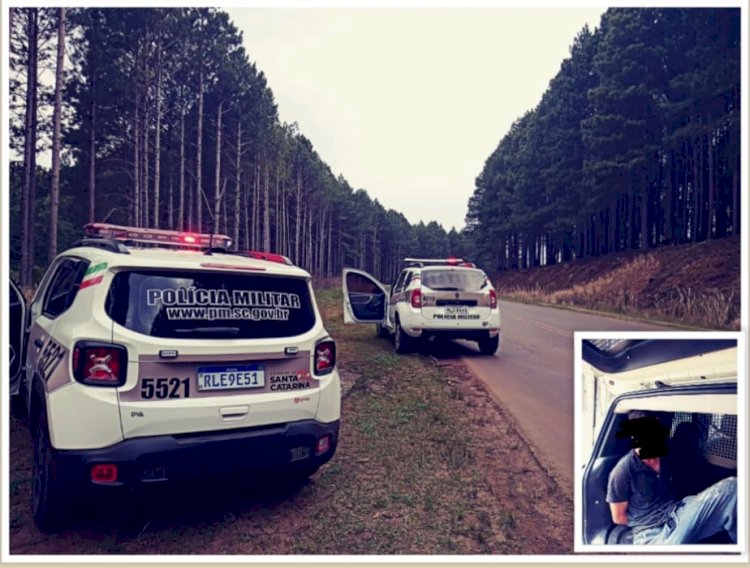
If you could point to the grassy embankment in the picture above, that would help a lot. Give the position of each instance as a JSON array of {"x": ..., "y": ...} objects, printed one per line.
[
  {"x": 695, "y": 285},
  {"x": 427, "y": 464}
]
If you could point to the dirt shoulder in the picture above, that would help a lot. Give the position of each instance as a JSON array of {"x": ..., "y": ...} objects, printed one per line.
[{"x": 427, "y": 463}]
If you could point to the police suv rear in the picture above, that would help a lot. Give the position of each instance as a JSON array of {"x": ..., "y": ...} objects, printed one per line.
[
  {"x": 431, "y": 298},
  {"x": 156, "y": 355}
]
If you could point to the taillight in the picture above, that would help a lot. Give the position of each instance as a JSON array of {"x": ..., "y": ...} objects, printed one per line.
[
  {"x": 325, "y": 357},
  {"x": 99, "y": 364},
  {"x": 493, "y": 299},
  {"x": 323, "y": 445},
  {"x": 416, "y": 298},
  {"x": 104, "y": 473}
]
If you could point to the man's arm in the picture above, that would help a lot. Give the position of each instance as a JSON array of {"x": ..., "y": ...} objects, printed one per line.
[{"x": 619, "y": 512}]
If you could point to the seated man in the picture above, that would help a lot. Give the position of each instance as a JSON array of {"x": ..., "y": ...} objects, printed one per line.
[{"x": 642, "y": 496}]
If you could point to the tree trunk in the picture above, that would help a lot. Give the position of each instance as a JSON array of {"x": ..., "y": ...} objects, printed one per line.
[
  {"x": 56, "y": 120},
  {"x": 669, "y": 193},
  {"x": 266, "y": 206},
  {"x": 28, "y": 199},
  {"x": 256, "y": 207},
  {"x": 246, "y": 192},
  {"x": 329, "y": 249},
  {"x": 238, "y": 185},
  {"x": 217, "y": 189},
  {"x": 199, "y": 158},
  {"x": 145, "y": 204},
  {"x": 710, "y": 221},
  {"x": 181, "y": 207},
  {"x": 170, "y": 202},
  {"x": 136, "y": 213},
  {"x": 736, "y": 195},
  {"x": 278, "y": 227},
  {"x": 298, "y": 218},
  {"x": 92, "y": 149},
  {"x": 157, "y": 141}
]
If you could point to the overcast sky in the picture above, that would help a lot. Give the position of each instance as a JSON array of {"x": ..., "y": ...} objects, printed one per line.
[{"x": 408, "y": 103}]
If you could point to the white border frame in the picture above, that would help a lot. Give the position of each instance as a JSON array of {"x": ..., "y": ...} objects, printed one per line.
[{"x": 353, "y": 4}]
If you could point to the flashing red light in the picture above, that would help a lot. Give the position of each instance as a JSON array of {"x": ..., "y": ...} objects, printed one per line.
[
  {"x": 104, "y": 473},
  {"x": 189, "y": 239},
  {"x": 416, "y": 298}
]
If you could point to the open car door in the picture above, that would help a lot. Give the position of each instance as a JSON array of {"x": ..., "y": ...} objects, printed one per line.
[
  {"x": 17, "y": 329},
  {"x": 365, "y": 299}
]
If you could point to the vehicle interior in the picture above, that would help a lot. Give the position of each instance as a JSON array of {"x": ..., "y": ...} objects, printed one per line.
[
  {"x": 701, "y": 417},
  {"x": 702, "y": 450},
  {"x": 367, "y": 300}
]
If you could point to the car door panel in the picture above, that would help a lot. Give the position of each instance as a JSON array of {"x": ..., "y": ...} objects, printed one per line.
[
  {"x": 17, "y": 314},
  {"x": 365, "y": 298}
]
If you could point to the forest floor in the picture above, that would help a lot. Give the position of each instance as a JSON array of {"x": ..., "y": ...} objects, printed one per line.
[
  {"x": 693, "y": 285},
  {"x": 427, "y": 463}
]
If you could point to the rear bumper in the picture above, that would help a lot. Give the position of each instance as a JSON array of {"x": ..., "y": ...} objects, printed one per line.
[
  {"x": 470, "y": 334},
  {"x": 146, "y": 461},
  {"x": 416, "y": 324}
]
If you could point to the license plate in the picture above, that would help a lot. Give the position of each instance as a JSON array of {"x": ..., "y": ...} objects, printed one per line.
[
  {"x": 456, "y": 310},
  {"x": 227, "y": 378}
]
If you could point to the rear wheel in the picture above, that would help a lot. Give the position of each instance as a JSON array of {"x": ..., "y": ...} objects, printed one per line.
[
  {"x": 489, "y": 345},
  {"x": 47, "y": 502},
  {"x": 403, "y": 343}
]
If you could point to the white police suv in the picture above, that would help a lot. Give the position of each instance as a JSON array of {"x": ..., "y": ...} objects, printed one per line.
[
  {"x": 430, "y": 298},
  {"x": 156, "y": 355}
]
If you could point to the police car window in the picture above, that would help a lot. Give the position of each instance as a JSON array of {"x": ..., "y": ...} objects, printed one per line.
[
  {"x": 206, "y": 305},
  {"x": 454, "y": 280},
  {"x": 63, "y": 286},
  {"x": 399, "y": 284}
]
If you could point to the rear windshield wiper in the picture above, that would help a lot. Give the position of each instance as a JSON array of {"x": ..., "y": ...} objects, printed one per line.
[{"x": 228, "y": 330}]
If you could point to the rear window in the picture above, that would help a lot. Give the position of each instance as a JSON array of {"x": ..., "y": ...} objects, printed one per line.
[
  {"x": 460, "y": 280},
  {"x": 210, "y": 305}
]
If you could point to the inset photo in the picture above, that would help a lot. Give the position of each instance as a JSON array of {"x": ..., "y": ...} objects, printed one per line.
[{"x": 660, "y": 442}]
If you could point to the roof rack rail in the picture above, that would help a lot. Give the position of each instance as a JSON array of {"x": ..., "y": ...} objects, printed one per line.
[
  {"x": 110, "y": 245},
  {"x": 450, "y": 261}
]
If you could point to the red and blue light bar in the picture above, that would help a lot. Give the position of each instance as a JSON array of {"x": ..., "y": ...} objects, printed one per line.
[{"x": 156, "y": 236}]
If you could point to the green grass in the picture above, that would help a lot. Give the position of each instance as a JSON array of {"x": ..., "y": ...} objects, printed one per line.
[{"x": 406, "y": 478}]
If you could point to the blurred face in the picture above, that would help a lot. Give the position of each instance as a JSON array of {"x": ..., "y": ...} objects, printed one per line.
[{"x": 653, "y": 463}]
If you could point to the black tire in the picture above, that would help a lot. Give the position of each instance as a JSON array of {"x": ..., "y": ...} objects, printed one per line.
[
  {"x": 18, "y": 403},
  {"x": 403, "y": 343},
  {"x": 47, "y": 501},
  {"x": 489, "y": 345},
  {"x": 382, "y": 331}
]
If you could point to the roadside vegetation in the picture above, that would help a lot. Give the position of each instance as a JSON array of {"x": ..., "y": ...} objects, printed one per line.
[
  {"x": 427, "y": 464},
  {"x": 691, "y": 285}
]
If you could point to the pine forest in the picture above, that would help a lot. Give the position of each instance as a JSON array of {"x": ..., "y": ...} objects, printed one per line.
[{"x": 157, "y": 117}]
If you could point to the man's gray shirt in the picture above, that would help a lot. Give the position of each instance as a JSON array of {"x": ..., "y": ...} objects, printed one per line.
[{"x": 649, "y": 495}]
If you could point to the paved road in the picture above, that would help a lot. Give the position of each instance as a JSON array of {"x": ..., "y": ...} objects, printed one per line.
[{"x": 532, "y": 374}]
